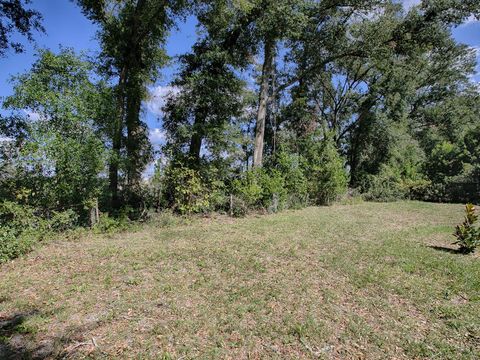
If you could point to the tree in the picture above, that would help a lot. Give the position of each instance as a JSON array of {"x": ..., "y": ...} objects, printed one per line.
[
  {"x": 132, "y": 34},
  {"x": 255, "y": 27},
  {"x": 59, "y": 152},
  {"x": 16, "y": 18},
  {"x": 209, "y": 97}
]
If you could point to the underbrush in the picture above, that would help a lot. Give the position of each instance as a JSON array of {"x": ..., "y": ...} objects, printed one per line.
[{"x": 22, "y": 227}]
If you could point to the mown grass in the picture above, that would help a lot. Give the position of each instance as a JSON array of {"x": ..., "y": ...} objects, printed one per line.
[{"x": 363, "y": 281}]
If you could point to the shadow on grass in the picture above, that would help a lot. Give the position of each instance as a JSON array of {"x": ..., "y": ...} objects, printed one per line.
[
  {"x": 13, "y": 340},
  {"x": 17, "y": 343},
  {"x": 447, "y": 250}
]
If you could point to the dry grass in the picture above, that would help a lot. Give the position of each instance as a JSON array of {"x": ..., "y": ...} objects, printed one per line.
[{"x": 365, "y": 281}]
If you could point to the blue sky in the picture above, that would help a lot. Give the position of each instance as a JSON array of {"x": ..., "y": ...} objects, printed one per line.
[{"x": 66, "y": 25}]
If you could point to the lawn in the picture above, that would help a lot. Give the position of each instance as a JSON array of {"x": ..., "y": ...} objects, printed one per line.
[{"x": 364, "y": 281}]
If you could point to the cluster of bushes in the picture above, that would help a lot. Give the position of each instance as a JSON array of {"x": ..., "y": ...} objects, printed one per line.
[
  {"x": 286, "y": 181},
  {"x": 448, "y": 173},
  {"x": 21, "y": 226}
]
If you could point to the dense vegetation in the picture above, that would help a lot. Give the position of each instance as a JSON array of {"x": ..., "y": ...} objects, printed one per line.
[{"x": 356, "y": 94}]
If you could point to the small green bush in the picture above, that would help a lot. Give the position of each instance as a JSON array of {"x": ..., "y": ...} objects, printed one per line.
[
  {"x": 248, "y": 188},
  {"x": 109, "y": 225},
  {"x": 295, "y": 181},
  {"x": 468, "y": 234},
  {"x": 274, "y": 192},
  {"x": 328, "y": 179},
  {"x": 383, "y": 187},
  {"x": 261, "y": 188},
  {"x": 63, "y": 220},
  {"x": 238, "y": 207},
  {"x": 14, "y": 243},
  {"x": 22, "y": 226},
  {"x": 190, "y": 192}
]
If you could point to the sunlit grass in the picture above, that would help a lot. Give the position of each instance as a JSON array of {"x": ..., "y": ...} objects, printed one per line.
[{"x": 367, "y": 280}]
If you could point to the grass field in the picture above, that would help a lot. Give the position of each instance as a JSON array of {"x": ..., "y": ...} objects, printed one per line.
[{"x": 365, "y": 281}]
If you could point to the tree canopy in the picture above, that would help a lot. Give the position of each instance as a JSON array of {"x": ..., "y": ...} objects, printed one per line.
[{"x": 278, "y": 104}]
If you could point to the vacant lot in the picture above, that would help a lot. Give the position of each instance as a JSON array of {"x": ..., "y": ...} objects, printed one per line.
[{"x": 366, "y": 281}]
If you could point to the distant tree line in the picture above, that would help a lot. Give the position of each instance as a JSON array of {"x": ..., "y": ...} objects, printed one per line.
[{"x": 279, "y": 104}]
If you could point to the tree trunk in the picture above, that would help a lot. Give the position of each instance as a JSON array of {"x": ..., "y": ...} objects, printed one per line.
[
  {"x": 262, "y": 103},
  {"x": 134, "y": 137},
  {"x": 195, "y": 146},
  {"x": 117, "y": 141}
]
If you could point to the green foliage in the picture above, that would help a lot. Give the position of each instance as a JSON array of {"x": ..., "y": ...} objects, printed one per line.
[
  {"x": 383, "y": 101},
  {"x": 22, "y": 226},
  {"x": 16, "y": 225},
  {"x": 248, "y": 187},
  {"x": 326, "y": 172},
  {"x": 12, "y": 244},
  {"x": 16, "y": 18},
  {"x": 261, "y": 188},
  {"x": 238, "y": 207},
  {"x": 61, "y": 155},
  {"x": 198, "y": 116},
  {"x": 274, "y": 191},
  {"x": 444, "y": 161},
  {"x": 397, "y": 174},
  {"x": 280, "y": 184},
  {"x": 63, "y": 220},
  {"x": 189, "y": 192},
  {"x": 468, "y": 233},
  {"x": 110, "y": 225},
  {"x": 295, "y": 181},
  {"x": 132, "y": 36}
]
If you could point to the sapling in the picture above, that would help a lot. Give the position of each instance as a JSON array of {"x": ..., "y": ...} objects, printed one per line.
[{"x": 467, "y": 233}]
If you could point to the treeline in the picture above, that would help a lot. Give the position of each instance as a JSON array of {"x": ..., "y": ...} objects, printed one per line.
[{"x": 279, "y": 104}]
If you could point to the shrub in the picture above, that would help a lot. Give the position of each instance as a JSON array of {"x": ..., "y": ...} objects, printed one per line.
[
  {"x": 248, "y": 187},
  {"x": 63, "y": 220},
  {"x": 18, "y": 229},
  {"x": 190, "y": 193},
  {"x": 328, "y": 179},
  {"x": 274, "y": 192},
  {"x": 261, "y": 188},
  {"x": 13, "y": 243},
  {"x": 295, "y": 181},
  {"x": 392, "y": 183},
  {"x": 110, "y": 225},
  {"x": 238, "y": 207},
  {"x": 385, "y": 186},
  {"x": 468, "y": 234},
  {"x": 22, "y": 226}
]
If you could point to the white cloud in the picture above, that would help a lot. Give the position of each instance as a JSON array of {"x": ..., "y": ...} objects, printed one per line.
[
  {"x": 407, "y": 4},
  {"x": 149, "y": 171},
  {"x": 5, "y": 139},
  {"x": 475, "y": 49},
  {"x": 156, "y": 135},
  {"x": 32, "y": 115},
  {"x": 471, "y": 20},
  {"x": 157, "y": 98}
]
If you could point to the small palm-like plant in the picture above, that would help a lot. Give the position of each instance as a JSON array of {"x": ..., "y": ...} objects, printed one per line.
[{"x": 467, "y": 234}]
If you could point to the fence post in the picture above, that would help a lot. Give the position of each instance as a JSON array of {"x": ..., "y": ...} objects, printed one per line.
[{"x": 94, "y": 214}]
